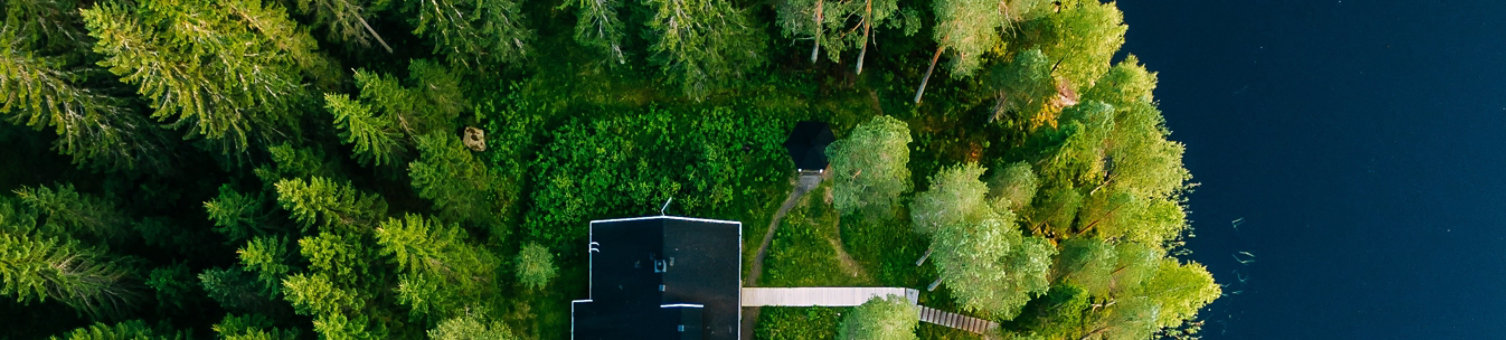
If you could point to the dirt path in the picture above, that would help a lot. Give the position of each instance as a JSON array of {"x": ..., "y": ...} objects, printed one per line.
[
  {"x": 768, "y": 236},
  {"x": 802, "y": 185},
  {"x": 846, "y": 259}
]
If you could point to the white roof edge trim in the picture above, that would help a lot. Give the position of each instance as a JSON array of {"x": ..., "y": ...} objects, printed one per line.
[
  {"x": 682, "y": 305},
  {"x": 693, "y": 219}
]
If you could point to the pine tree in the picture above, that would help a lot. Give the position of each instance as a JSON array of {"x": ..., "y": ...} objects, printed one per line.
[
  {"x": 316, "y": 295},
  {"x": 232, "y": 71},
  {"x": 50, "y": 25},
  {"x": 701, "y": 45},
  {"x": 68, "y": 212},
  {"x": 461, "y": 187},
  {"x": 289, "y": 161},
  {"x": 345, "y": 20},
  {"x": 174, "y": 287},
  {"x": 268, "y": 258},
  {"x": 36, "y": 269},
  {"x": 346, "y": 259},
  {"x": 441, "y": 274},
  {"x": 127, "y": 330},
  {"x": 324, "y": 203},
  {"x": 237, "y": 290},
  {"x": 251, "y": 327},
  {"x": 473, "y": 34},
  {"x": 468, "y": 327},
  {"x": 374, "y": 138},
  {"x": 93, "y": 128},
  {"x": 239, "y": 216},
  {"x": 597, "y": 26}
]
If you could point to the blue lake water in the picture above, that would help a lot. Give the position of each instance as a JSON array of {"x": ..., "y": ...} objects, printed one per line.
[{"x": 1363, "y": 143}]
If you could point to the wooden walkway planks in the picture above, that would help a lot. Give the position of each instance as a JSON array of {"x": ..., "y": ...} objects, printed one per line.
[
  {"x": 853, "y": 296},
  {"x": 821, "y": 296},
  {"x": 958, "y": 321}
]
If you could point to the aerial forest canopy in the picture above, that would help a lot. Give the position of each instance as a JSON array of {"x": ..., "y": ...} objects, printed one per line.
[{"x": 344, "y": 169}]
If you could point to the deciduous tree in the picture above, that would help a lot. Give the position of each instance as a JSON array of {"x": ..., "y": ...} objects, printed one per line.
[
  {"x": 1015, "y": 183},
  {"x": 828, "y": 24},
  {"x": 1023, "y": 85},
  {"x": 535, "y": 266},
  {"x": 956, "y": 196},
  {"x": 870, "y": 166},
  {"x": 969, "y": 28},
  {"x": 886, "y": 318}
]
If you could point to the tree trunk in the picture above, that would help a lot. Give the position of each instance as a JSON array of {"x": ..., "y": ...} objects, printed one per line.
[
  {"x": 373, "y": 32},
  {"x": 815, "y": 50},
  {"x": 927, "y": 78},
  {"x": 1094, "y": 332},
  {"x": 998, "y": 108},
  {"x": 867, "y": 13},
  {"x": 1090, "y": 226},
  {"x": 933, "y": 285},
  {"x": 924, "y": 257}
]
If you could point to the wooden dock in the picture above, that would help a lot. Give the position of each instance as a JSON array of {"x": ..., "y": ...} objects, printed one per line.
[
  {"x": 958, "y": 321},
  {"x": 821, "y": 296}
]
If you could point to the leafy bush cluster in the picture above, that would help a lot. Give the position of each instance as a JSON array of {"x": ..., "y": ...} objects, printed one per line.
[{"x": 631, "y": 164}]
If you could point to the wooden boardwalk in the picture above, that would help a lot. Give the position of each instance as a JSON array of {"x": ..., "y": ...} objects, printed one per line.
[
  {"x": 821, "y": 296},
  {"x": 958, "y": 321},
  {"x": 853, "y": 296}
]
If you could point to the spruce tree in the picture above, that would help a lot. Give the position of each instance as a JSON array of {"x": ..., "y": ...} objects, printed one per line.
[
  {"x": 474, "y": 34},
  {"x": 41, "y": 91},
  {"x": 345, "y": 20},
  {"x": 440, "y": 273},
  {"x": 598, "y": 26},
  {"x": 232, "y": 71},
  {"x": 701, "y": 45},
  {"x": 323, "y": 203},
  {"x": 461, "y": 187},
  {"x": 38, "y": 268}
]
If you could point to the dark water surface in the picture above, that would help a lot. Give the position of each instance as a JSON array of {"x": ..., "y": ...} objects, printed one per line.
[{"x": 1363, "y": 143}]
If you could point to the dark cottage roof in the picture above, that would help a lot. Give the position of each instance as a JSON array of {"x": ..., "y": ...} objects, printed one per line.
[
  {"x": 662, "y": 277},
  {"x": 807, "y": 144}
]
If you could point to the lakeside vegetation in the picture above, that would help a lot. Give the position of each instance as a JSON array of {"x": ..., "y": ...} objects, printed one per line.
[{"x": 295, "y": 169}]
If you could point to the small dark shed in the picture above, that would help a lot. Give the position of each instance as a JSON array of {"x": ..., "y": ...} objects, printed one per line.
[{"x": 807, "y": 145}]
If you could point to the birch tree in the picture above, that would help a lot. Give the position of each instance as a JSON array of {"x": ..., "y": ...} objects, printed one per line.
[{"x": 969, "y": 28}]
